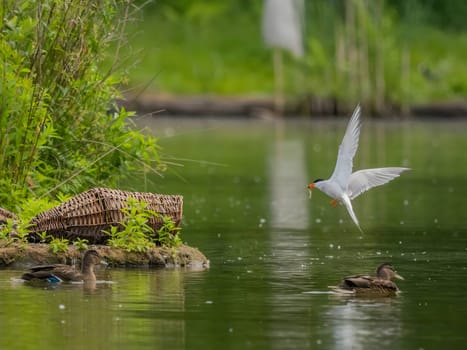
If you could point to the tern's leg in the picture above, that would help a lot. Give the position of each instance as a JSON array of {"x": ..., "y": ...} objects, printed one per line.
[{"x": 334, "y": 202}]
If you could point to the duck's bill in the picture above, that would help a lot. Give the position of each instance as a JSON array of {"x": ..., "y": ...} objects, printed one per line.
[{"x": 398, "y": 276}]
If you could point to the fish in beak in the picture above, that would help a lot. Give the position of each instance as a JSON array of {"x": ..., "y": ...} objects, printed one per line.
[{"x": 310, "y": 187}]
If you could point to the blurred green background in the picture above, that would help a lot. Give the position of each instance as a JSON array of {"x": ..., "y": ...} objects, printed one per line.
[{"x": 381, "y": 52}]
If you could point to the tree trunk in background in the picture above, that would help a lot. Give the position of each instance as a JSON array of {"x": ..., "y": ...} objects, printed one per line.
[
  {"x": 352, "y": 53},
  {"x": 282, "y": 29},
  {"x": 380, "y": 83},
  {"x": 405, "y": 80},
  {"x": 363, "y": 54}
]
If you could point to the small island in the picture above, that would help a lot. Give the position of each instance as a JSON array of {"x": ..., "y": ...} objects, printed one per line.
[
  {"x": 125, "y": 228},
  {"x": 41, "y": 254}
]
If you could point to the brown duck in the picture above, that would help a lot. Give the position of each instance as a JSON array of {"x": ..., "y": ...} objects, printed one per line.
[
  {"x": 66, "y": 273},
  {"x": 378, "y": 285}
]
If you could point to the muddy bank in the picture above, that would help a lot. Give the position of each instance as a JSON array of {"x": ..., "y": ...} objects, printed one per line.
[
  {"x": 39, "y": 254},
  {"x": 263, "y": 106}
]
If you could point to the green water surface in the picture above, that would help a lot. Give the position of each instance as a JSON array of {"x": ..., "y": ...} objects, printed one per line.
[{"x": 273, "y": 252}]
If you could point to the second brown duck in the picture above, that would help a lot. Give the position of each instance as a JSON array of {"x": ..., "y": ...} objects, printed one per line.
[
  {"x": 378, "y": 285},
  {"x": 66, "y": 273}
]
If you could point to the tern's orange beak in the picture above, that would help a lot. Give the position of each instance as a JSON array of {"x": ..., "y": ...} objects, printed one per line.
[{"x": 310, "y": 187}]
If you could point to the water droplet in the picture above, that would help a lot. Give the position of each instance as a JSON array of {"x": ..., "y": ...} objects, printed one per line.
[
  {"x": 435, "y": 220},
  {"x": 231, "y": 330},
  {"x": 402, "y": 222},
  {"x": 400, "y": 242},
  {"x": 61, "y": 307},
  {"x": 318, "y": 220},
  {"x": 209, "y": 302},
  {"x": 406, "y": 202},
  {"x": 169, "y": 132},
  {"x": 331, "y": 245}
]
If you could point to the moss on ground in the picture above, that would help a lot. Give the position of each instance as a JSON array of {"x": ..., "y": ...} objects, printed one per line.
[{"x": 38, "y": 254}]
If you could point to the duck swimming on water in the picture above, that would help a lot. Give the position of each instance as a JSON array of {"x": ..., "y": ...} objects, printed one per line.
[
  {"x": 378, "y": 285},
  {"x": 66, "y": 273}
]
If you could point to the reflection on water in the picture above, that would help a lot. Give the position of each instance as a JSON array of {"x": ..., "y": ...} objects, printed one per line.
[
  {"x": 148, "y": 303},
  {"x": 365, "y": 323},
  {"x": 289, "y": 205},
  {"x": 137, "y": 308},
  {"x": 273, "y": 252}
]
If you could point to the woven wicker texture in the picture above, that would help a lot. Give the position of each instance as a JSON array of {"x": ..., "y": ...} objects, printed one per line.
[
  {"x": 5, "y": 214},
  {"x": 86, "y": 215}
]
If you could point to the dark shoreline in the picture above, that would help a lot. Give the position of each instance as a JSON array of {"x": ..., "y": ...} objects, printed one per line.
[
  {"x": 263, "y": 107},
  {"x": 19, "y": 256}
]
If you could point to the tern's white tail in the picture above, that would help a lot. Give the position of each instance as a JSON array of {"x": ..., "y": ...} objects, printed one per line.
[{"x": 348, "y": 205}]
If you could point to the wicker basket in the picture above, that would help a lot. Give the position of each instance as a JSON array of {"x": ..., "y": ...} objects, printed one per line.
[
  {"x": 5, "y": 214},
  {"x": 86, "y": 215}
]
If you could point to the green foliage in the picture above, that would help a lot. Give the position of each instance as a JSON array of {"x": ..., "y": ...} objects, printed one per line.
[
  {"x": 368, "y": 52},
  {"x": 43, "y": 237},
  {"x": 381, "y": 53},
  {"x": 231, "y": 59},
  {"x": 57, "y": 245},
  {"x": 169, "y": 234},
  {"x": 28, "y": 208},
  {"x": 81, "y": 244},
  {"x": 13, "y": 233},
  {"x": 441, "y": 14},
  {"x": 136, "y": 235},
  {"x": 16, "y": 231},
  {"x": 60, "y": 128}
]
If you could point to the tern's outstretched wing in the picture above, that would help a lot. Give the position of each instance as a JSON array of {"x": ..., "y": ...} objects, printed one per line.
[
  {"x": 363, "y": 180},
  {"x": 347, "y": 150}
]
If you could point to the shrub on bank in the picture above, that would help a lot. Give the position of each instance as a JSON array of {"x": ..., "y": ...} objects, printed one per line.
[{"x": 60, "y": 129}]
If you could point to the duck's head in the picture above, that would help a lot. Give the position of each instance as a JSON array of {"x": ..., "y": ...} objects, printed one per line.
[
  {"x": 313, "y": 185},
  {"x": 386, "y": 271},
  {"x": 92, "y": 257}
]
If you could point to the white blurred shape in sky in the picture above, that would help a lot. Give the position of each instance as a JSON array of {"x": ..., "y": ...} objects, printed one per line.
[{"x": 283, "y": 25}]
